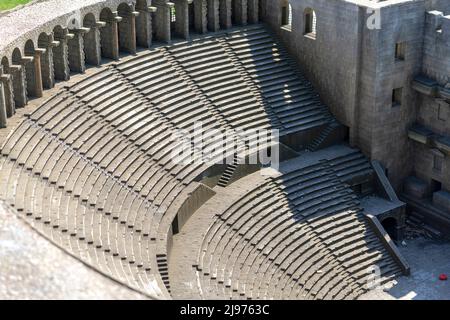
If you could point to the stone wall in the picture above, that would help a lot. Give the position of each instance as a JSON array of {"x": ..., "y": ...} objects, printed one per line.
[
  {"x": 436, "y": 61},
  {"x": 351, "y": 64},
  {"x": 381, "y": 124},
  {"x": 424, "y": 166},
  {"x": 440, "y": 5},
  {"x": 329, "y": 60},
  {"x": 434, "y": 112},
  {"x": 351, "y": 61}
]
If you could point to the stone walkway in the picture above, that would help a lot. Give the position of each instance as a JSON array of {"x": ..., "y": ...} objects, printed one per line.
[
  {"x": 33, "y": 268},
  {"x": 428, "y": 259}
]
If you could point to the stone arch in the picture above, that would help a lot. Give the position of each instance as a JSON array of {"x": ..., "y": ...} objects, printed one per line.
[
  {"x": 75, "y": 43},
  {"x": 60, "y": 54},
  {"x": 33, "y": 70},
  {"x": 45, "y": 42},
  {"x": 18, "y": 79},
  {"x": 143, "y": 24},
  {"x": 127, "y": 28},
  {"x": 5, "y": 64},
  {"x": 29, "y": 48},
  {"x": 310, "y": 22},
  {"x": 109, "y": 38},
  {"x": 92, "y": 49},
  {"x": 16, "y": 56},
  {"x": 390, "y": 225},
  {"x": 6, "y": 80}
]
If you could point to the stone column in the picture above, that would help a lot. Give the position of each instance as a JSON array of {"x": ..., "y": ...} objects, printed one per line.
[
  {"x": 182, "y": 18},
  {"x": 133, "y": 43},
  {"x": 213, "y": 15},
  {"x": 8, "y": 91},
  {"x": 127, "y": 31},
  {"x": 240, "y": 12},
  {"x": 2, "y": 107},
  {"x": 92, "y": 48},
  {"x": 38, "y": 52},
  {"x": 19, "y": 85},
  {"x": 61, "y": 56},
  {"x": 162, "y": 17},
  {"x": 253, "y": 11},
  {"x": 225, "y": 14},
  {"x": 110, "y": 38},
  {"x": 144, "y": 26},
  {"x": 200, "y": 13},
  {"x": 77, "y": 61},
  {"x": 47, "y": 68},
  {"x": 34, "y": 74}
]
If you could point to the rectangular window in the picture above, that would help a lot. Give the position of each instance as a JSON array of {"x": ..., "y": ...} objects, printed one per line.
[
  {"x": 397, "y": 97},
  {"x": 400, "y": 51}
]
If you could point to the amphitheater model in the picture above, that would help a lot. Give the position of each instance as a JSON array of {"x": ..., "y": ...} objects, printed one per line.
[{"x": 96, "y": 94}]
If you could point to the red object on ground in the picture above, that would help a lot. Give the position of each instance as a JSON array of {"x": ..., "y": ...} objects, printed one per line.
[{"x": 443, "y": 277}]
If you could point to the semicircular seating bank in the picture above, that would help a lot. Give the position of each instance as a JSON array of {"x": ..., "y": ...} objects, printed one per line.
[{"x": 91, "y": 166}]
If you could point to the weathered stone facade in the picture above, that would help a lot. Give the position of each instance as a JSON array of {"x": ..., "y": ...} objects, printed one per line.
[
  {"x": 368, "y": 76},
  {"x": 351, "y": 59},
  {"x": 364, "y": 59}
]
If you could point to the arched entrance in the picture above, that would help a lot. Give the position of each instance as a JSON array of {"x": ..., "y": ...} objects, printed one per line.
[
  {"x": 92, "y": 50},
  {"x": 8, "y": 88},
  {"x": 33, "y": 70},
  {"x": 126, "y": 29},
  {"x": 109, "y": 37},
  {"x": 18, "y": 79}
]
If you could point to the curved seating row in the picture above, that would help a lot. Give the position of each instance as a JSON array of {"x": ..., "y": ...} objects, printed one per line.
[
  {"x": 289, "y": 94},
  {"x": 93, "y": 167},
  {"x": 301, "y": 235}
]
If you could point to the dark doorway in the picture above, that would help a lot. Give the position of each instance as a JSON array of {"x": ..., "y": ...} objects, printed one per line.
[
  {"x": 191, "y": 17},
  {"x": 234, "y": 12},
  {"x": 346, "y": 134},
  {"x": 435, "y": 186},
  {"x": 390, "y": 225}
]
